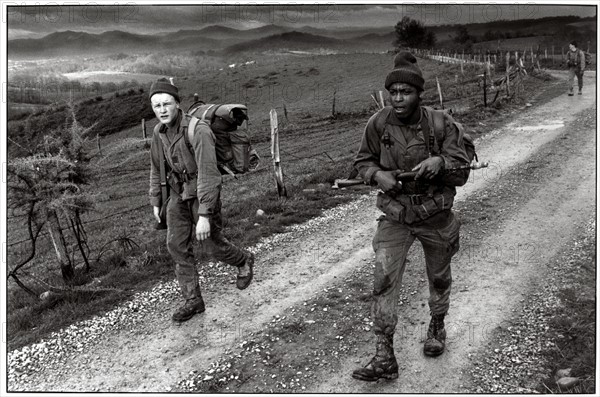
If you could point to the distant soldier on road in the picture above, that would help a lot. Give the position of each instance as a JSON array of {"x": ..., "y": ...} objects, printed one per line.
[
  {"x": 576, "y": 64},
  {"x": 194, "y": 206},
  {"x": 393, "y": 142}
]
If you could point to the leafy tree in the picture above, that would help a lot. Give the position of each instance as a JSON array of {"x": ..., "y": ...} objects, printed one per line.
[
  {"x": 462, "y": 35},
  {"x": 413, "y": 34},
  {"x": 430, "y": 39}
]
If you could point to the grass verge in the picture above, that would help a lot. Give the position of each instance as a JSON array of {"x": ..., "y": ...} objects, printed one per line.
[{"x": 573, "y": 323}]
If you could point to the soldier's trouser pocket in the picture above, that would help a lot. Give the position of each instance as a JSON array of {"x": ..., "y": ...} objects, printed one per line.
[{"x": 450, "y": 235}]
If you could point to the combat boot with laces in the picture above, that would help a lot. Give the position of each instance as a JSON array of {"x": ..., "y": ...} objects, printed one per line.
[
  {"x": 382, "y": 365},
  {"x": 189, "y": 309},
  {"x": 436, "y": 336}
]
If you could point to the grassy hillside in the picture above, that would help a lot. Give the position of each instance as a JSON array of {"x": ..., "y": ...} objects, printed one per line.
[{"x": 107, "y": 113}]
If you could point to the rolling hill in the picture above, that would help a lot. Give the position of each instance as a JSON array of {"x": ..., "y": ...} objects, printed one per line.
[
  {"x": 273, "y": 37},
  {"x": 286, "y": 41}
]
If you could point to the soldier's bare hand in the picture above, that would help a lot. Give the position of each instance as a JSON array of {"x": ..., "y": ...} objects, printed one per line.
[
  {"x": 386, "y": 181},
  {"x": 157, "y": 214},
  {"x": 203, "y": 228},
  {"x": 429, "y": 168}
]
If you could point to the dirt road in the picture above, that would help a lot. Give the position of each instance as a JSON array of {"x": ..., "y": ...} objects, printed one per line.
[{"x": 517, "y": 215}]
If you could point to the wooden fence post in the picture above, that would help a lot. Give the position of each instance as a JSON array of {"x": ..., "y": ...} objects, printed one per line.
[
  {"x": 507, "y": 73},
  {"x": 281, "y": 191},
  {"x": 333, "y": 104},
  {"x": 98, "y": 143},
  {"x": 485, "y": 74},
  {"x": 381, "y": 99}
]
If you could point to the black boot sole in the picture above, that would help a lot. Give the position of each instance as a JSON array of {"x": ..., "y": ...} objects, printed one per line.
[
  {"x": 370, "y": 379},
  {"x": 433, "y": 354}
]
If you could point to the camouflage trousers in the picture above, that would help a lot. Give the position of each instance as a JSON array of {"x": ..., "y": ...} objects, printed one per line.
[
  {"x": 440, "y": 241},
  {"x": 181, "y": 235},
  {"x": 572, "y": 73}
]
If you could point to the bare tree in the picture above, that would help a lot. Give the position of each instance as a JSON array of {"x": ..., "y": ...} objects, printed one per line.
[{"x": 48, "y": 187}]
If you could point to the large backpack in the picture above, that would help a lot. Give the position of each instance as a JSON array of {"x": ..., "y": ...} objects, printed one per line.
[
  {"x": 588, "y": 58},
  {"x": 235, "y": 154},
  {"x": 437, "y": 119}
]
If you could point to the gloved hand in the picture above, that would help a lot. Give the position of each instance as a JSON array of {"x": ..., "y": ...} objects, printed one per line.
[
  {"x": 157, "y": 214},
  {"x": 429, "y": 168},
  {"x": 386, "y": 181},
  {"x": 203, "y": 228}
]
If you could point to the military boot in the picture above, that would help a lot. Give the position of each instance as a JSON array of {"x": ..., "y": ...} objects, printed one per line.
[
  {"x": 383, "y": 365},
  {"x": 189, "y": 309},
  {"x": 436, "y": 336},
  {"x": 243, "y": 280}
]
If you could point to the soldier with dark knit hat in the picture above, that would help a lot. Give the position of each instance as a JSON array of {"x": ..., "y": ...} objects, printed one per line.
[
  {"x": 394, "y": 142},
  {"x": 194, "y": 205}
]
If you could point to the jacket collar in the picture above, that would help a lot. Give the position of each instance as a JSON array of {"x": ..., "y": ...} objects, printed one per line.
[{"x": 394, "y": 120}]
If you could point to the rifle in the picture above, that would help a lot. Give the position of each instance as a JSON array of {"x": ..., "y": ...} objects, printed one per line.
[
  {"x": 405, "y": 176},
  {"x": 164, "y": 189}
]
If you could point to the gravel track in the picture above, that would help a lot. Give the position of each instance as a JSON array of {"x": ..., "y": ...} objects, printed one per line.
[{"x": 136, "y": 348}]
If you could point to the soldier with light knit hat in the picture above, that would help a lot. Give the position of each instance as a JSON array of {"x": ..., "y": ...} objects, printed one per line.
[
  {"x": 194, "y": 206},
  {"x": 399, "y": 138}
]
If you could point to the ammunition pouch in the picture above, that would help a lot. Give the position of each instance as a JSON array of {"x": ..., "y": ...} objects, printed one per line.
[
  {"x": 392, "y": 208},
  {"x": 412, "y": 208},
  {"x": 174, "y": 182}
]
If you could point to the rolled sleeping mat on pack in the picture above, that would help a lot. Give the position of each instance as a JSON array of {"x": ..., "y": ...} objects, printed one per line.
[{"x": 234, "y": 114}]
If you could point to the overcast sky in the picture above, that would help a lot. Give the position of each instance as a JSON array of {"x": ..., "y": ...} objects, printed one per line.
[{"x": 37, "y": 21}]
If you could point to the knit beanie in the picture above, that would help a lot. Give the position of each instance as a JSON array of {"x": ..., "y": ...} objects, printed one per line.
[
  {"x": 164, "y": 85},
  {"x": 405, "y": 70}
]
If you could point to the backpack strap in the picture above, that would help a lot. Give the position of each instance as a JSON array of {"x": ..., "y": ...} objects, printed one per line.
[
  {"x": 189, "y": 134},
  {"x": 433, "y": 121},
  {"x": 380, "y": 122},
  {"x": 203, "y": 117}
]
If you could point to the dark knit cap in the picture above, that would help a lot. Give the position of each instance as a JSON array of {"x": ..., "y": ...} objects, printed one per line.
[
  {"x": 405, "y": 70},
  {"x": 164, "y": 85}
]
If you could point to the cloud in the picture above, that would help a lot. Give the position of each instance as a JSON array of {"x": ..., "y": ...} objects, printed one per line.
[
  {"x": 23, "y": 34},
  {"x": 149, "y": 19}
]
